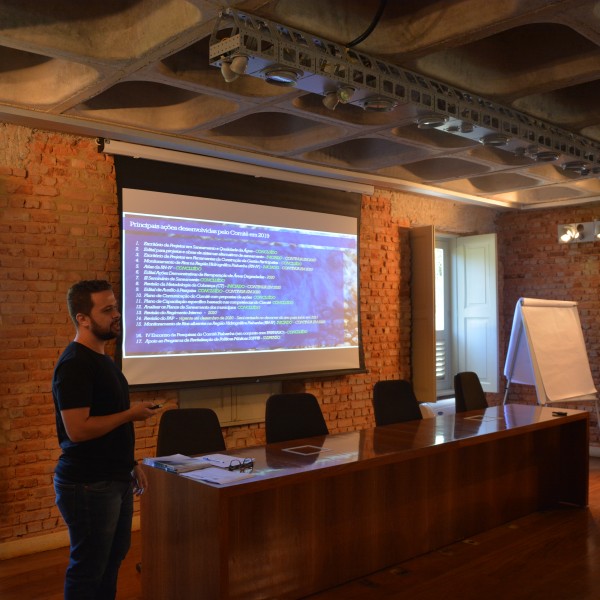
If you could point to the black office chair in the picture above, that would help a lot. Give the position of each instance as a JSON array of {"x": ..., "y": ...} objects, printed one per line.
[
  {"x": 293, "y": 416},
  {"x": 394, "y": 401},
  {"x": 468, "y": 393},
  {"x": 189, "y": 431}
]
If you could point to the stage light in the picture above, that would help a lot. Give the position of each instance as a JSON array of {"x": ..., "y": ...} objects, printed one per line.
[
  {"x": 345, "y": 94},
  {"x": 330, "y": 100},
  {"x": 495, "y": 140},
  {"x": 228, "y": 74},
  {"x": 570, "y": 233},
  {"x": 342, "y": 95},
  {"x": 282, "y": 76},
  {"x": 239, "y": 63},
  {"x": 431, "y": 121},
  {"x": 545, "y": 156},
  {"x": 379, "y": 104},
  {"x": 576, "y": 166}
]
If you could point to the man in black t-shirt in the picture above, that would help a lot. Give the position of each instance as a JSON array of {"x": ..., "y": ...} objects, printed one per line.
[{"x": 96, "y": 475}]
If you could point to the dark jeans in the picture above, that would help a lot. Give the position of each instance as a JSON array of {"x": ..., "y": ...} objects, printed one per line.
[{"x": 99, "y": 518}]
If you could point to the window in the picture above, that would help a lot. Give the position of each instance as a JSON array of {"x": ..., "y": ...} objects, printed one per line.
[{"x": 443, "y": 318}]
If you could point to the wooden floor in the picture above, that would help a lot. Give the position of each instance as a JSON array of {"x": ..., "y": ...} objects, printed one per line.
[{"x": 552, "y": 555}]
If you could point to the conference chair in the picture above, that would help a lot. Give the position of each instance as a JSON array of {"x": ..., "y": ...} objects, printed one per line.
[
  {"x": 293, "y": 416},
  {"x": 468, "y": 393},
  {"x": 394, "y": 401},
  {"x": 189, "y": 431}
]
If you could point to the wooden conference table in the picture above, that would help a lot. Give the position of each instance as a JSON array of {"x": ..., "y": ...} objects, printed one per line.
[{"x": 356, "y": 502}]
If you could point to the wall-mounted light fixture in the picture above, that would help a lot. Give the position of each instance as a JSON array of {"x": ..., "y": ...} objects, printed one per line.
[
  {"x": 284, "y": 56},
  {"x": 579, "y": 232}
]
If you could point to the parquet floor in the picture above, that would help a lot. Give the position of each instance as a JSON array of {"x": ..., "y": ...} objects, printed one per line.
[{"x": 550, "y": 555}]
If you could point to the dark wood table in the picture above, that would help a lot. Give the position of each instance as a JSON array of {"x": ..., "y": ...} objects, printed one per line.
[{"x": 361, "y": 502}]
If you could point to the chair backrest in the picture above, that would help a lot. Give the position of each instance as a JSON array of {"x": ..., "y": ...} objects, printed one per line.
[
  {"x": 293, "y": 416},
  {"x": 394, "y": 401},
  {"x": 468, "y": 393},
  {"x": 189, "y": 431}
]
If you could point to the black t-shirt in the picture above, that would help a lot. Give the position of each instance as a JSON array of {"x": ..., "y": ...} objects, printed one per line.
[{"x": 83, "y": 378}]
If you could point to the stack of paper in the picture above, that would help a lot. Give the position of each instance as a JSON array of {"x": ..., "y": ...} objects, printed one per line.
[
  {"x": 217, "y": 475},
  {"x": 212, "y": 468},
  {"x": 177, "y": 463}
]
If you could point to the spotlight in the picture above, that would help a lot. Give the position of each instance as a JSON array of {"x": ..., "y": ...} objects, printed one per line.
[
  {"x": 239, "y": 63},
  {"x": 545, "y": 156},
  {"x": 282, "y": 76},
  {"x": 345, "y": 93},
  {"x": 579, "y": 232},
  {"x": 569, "y": 233},
  {"x": 228, "y": 74},
  {"x": 379, "y": 104},
  {"x": 431, "y": 121},
  {"x": 576, "y": 166},
  {"x": 330, "y": 100},
  {"x": 342, "y": 95},
  {"x": 495, "y": 140}
]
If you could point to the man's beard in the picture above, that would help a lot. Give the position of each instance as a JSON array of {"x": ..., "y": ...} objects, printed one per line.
[{"x": 105, "y": 334}]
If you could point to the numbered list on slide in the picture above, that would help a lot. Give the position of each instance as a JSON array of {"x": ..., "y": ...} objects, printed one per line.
[{"x": 195, "y": 287}]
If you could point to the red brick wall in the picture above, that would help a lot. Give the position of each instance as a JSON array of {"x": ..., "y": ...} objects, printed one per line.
[
  {"x": 60, "y": 224},
  {"x": 535, "y": 265}
]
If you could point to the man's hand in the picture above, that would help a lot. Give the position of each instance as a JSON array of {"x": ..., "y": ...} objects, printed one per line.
[
  {"x": 140, "y": 483},
  {"x": 140, "y": 411}
]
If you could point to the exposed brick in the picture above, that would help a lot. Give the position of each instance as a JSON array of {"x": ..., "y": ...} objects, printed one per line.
[{"x": 60, "y": 223}]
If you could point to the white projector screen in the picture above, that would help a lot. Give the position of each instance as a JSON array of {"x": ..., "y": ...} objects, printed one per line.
[{"x": 223, "y": 290}]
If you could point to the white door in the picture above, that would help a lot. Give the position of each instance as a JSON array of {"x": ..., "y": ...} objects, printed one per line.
[{"x": 476, "y": 333}]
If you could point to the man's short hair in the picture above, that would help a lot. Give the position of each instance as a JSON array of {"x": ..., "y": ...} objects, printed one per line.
[{"x": 79, "y": 296}]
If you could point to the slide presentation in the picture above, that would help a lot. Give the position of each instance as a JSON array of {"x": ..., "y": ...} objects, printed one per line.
[{"x": 206, "y": 282}]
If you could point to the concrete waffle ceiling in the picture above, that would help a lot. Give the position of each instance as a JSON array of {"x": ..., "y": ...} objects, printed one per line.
[{"x": 138, "y": 71}]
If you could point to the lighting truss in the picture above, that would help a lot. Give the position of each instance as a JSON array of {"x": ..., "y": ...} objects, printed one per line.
[{"x": 319, "y": 66}]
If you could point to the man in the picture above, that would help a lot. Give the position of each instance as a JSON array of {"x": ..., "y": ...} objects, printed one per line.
[{"x": 96, "y": 475}]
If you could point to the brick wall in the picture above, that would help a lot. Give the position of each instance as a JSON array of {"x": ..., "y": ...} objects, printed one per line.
[
  {"x": 535, "y": 265},
  {"x": 60, "y": 224}
]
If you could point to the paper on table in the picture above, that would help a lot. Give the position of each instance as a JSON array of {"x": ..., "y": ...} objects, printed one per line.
[
  {"x": 216, "y": 475},
  {"x": 175, "y": 463},
  {"x": 218, "y": 460},
  {"x": 224, "y": 460}
]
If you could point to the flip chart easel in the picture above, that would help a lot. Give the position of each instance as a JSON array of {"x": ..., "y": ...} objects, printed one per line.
[{"x": 547, "y": 349}]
